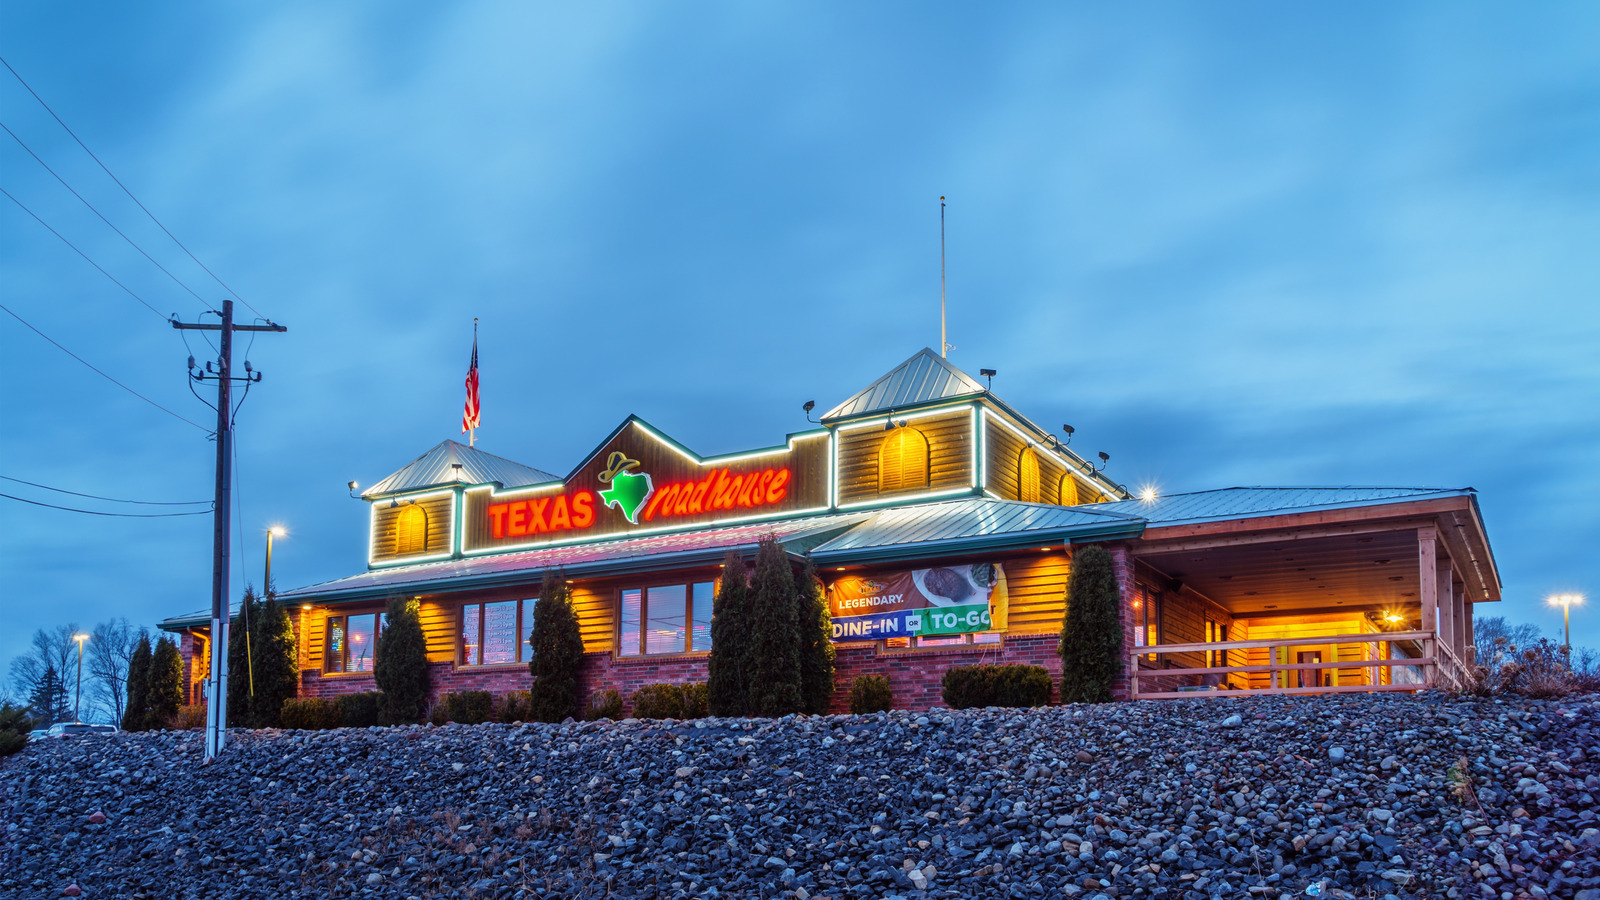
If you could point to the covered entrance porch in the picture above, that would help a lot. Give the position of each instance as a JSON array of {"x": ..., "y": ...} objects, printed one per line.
[{"x": 1359, "y": 597}]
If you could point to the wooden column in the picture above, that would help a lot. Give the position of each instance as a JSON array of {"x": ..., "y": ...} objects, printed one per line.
[
  {"x": 1428, "y": 591},
  {"x": 1472, "y": 634},
  {"x": 1447, "y": 610}
]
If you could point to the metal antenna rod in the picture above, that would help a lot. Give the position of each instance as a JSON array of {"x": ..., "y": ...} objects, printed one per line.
[{"x": 944, "y": 344}]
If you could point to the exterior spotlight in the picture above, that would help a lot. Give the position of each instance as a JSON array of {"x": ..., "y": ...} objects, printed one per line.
[
  {"x": 1070, "y": 432},
  {"x": 1393, "y": 618},
  {"x": 352, "y": 488},
  {"x": 988, "y": 374},
  {"x": 807, "y": 408},
  {"x": 1148, "y": 493}
]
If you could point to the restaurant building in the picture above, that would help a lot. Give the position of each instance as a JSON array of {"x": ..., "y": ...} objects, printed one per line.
[{"x": 943, "y": 523}]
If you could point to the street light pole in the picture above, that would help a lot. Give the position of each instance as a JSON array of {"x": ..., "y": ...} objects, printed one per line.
[
  {"x": 1565, "y": 601},
  {"x": 266, "y": 582},
  {"x": 77, "y": 700}
]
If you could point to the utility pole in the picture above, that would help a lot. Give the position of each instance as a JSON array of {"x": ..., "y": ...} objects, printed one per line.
[{"x": 222, "y": 374}]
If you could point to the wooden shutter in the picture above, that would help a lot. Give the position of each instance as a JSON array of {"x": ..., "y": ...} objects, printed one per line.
[
  {"x": 903, "y": 461},
  {"x": 1028, "y": 476},
  {"x": 411, "y": 530},
  {"x": 1069, "y": 490}
]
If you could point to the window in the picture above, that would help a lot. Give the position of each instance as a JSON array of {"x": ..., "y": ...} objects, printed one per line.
[
  {"x": 1069, "y": 491},
  {"x": 352, "y": 643},
  {"x": 411, "y": 530},
  {"x": 496, "y": 634},
  {"x": 673, "y": 618},
  {"x": 1146, "y": 618},
  {"x": 1028, "y": 476},
  {"x": 903, "y": 461}
]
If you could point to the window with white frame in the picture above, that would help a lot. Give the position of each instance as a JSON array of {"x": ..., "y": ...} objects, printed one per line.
[
  {"x": 670, "y": 618},
  {"x": 496, "y": 634}
]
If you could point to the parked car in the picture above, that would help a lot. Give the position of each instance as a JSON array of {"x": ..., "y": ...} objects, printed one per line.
[
  {"x": 105, "y": 729},
  {"x": 69, "y": 729},
  {"x": 38, "y": 734}
]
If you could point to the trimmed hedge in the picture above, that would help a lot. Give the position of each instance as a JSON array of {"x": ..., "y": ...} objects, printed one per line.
[
  {"x": 361, "y": 710},
  {"x": 465, "y": 707},
  {"x": 1016, "y": 685},
  {"x": 670, "y": 701},
  {"x": 870, "y": 694},
  {"x": 604, "y": 704},
  {"x": 516, "y": 706},
  {"x": 190, "y": 716},
  {"x": 312, "y": 713}
]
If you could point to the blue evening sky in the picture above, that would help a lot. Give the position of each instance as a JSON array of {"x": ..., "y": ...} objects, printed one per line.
[{"x": 1232, "y": 243}]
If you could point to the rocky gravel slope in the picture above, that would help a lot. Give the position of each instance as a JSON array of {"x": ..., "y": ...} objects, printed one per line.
[{"x": 1333, "y": 797}]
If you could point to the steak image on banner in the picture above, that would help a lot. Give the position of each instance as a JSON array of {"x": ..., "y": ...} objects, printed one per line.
[{"x": 945, "y": 600}]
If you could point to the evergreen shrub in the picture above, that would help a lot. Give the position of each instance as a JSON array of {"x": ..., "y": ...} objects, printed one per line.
[
  {"x": 603, "y": 704},
  {"x": 14, "y": 728},
  {"x": 136, "y": 716},
  {"x": 515, "y": 706},
  {"x": 870, "y": 694},
  {"x": 401, "y": 668},
  {"x": 772, "y": 668},
  {"x": 816, "y": 644},
  {"x": 166, "y": 684},
  {"x": 312, "y": 713},
  {"x": 557, "y": 649},
  {"x": 361, "y": 710},
  {"x": 670, "y": 701},
  {"x": 277, "y": 662},
  {"x": 727, "y": 687},
  {"x": 696, "y": 701},
  {"x": 190, "y": 716},
  {"x": 1017, "y": 685},
  {"x": 243, "y": 652},
  {"x": 1091, "y": 635},
  {"x": 464, "y": 707}
]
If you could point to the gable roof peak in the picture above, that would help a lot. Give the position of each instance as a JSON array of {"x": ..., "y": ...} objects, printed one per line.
[
  {"x": 437, "y": 468},
  {"x": 924, "y": 378}
]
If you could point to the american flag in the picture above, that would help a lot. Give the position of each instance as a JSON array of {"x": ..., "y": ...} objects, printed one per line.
[{"x": 469, "y": 416}]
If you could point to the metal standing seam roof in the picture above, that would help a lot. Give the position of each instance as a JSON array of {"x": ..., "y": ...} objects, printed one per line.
[
  {"x": 638, "y": 554},
  {"x": 973, "y": 524},
  {"x": 436, "y": 468},
  {"x": 1251, "y": 502},
  {"x": 923, "y": 378}
]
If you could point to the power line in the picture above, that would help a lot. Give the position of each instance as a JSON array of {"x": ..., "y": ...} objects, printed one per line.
[
  {"x": 107, "y": 499},
  {"x": 98, "y": 213},
  {"x": 128, "y": 192},
  {"x": 80, "y": 252},
  {"x": 100, "y": 373},
  {"x": 90, "y": 512}
]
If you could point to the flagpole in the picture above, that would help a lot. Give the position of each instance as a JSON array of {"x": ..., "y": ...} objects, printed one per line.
[{"x": 472, "y": 433}]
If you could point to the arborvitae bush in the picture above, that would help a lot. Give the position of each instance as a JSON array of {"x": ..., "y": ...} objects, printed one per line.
[
  {"x": 50, "y": 702},
  {"x": 312, "y": 713},
  {"x": 277, "y": 664},
  {"x": 14, "y": 728},
  {"x": 557, "y": 652},
  {"x": 603, "y": 704},
  {"x": 465, "y": 707},
  {"x": 816, "y": 644},
  {"x": 1091, "y": 635},
  {"x": 870, "y": 694},
  {"x": 361, "y": 710},
  {"x": 136, "y": 716},
  {"x": 166, "y": 684},
  {"x": 966, "y": 687},
  {"x": 243, "y": 653},
  {"x": 727, "y": 687},
  {"x": 773, "y": 666},
  {"x": 514, "y": 706},
  {"x": 401, "y": 668}
]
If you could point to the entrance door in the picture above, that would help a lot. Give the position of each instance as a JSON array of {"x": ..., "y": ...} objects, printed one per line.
[{"x": 1311, "y": 677}]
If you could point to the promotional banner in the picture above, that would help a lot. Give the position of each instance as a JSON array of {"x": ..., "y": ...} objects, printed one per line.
[{"x": 943, "y": 600}]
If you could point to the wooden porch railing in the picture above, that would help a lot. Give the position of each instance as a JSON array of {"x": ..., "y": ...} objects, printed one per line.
[{"x": 1437, "y": 666}]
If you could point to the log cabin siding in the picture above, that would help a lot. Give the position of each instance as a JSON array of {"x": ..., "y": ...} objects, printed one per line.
[
  {"x": 1003, "y": 459},
  {"x": 949, "y": 438},
  {"x": 1037, "y": 592},
  {"x": 386, "y": 517},
  {"x": 1309, "y": 628}
]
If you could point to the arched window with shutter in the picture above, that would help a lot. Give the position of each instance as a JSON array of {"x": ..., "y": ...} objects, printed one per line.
[
  {"x": 411, "y": 530},
  {"x": 1069, "y": 490},
  {"x": 903, "y": 461},
  {"x": 1028, "y": 476}
]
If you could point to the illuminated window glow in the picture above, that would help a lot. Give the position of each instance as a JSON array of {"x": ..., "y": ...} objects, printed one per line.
[
  {"x": 496, "y": 634},
  {"x": 352, "y": 643},
  {"x": 1069, "y": 490}
]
